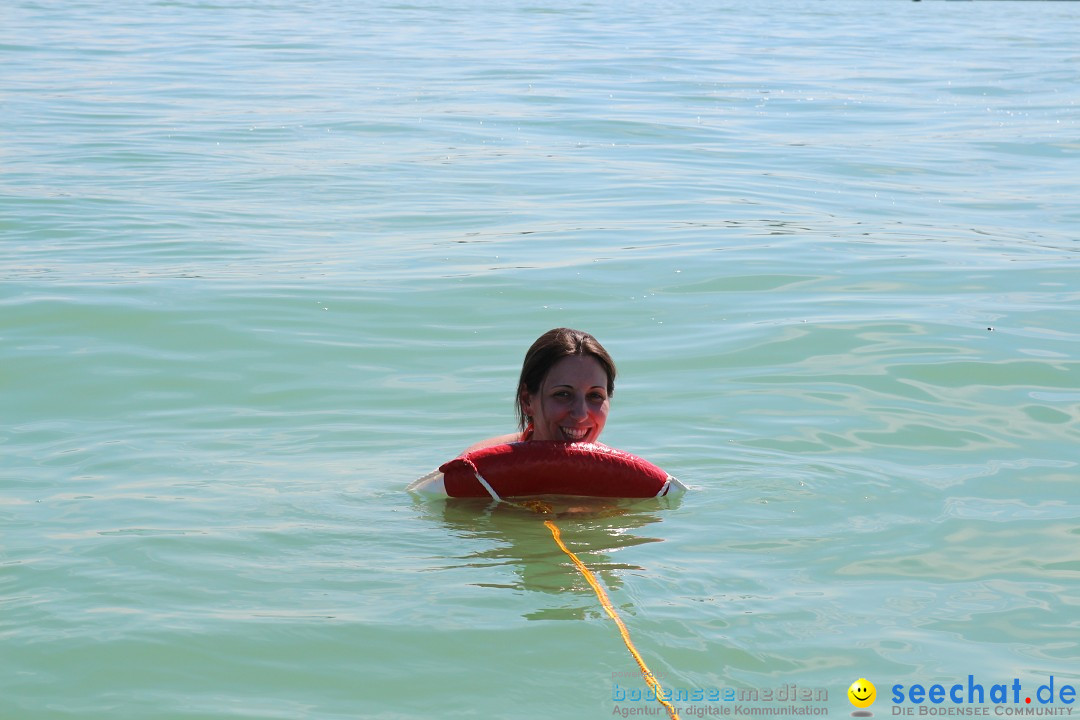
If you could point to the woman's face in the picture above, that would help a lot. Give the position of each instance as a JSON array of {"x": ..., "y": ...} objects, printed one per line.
[{"x": 572, "y": 403}]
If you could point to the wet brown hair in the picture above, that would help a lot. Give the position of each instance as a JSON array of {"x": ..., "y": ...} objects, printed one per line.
[{"x": 550, "y": 348}]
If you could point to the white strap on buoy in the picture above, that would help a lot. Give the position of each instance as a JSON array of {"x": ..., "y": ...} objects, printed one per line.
[{"x": 476, "y": 471}]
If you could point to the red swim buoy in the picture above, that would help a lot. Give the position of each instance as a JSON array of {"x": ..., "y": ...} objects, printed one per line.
[{"x": 541, "y": 467}]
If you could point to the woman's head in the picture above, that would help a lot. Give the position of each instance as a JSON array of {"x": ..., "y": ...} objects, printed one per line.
[{"x": 566, "y": 383}]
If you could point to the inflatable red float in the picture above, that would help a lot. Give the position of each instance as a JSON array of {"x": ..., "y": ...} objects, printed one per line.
[{"x": 548, "y": 468}]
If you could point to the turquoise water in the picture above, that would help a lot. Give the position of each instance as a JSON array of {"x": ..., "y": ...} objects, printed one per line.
[{"x": 263, "y": 264}]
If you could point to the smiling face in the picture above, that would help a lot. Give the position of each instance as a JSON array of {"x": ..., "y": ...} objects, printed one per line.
[
  {"x": 572, "y": 402},
  {"x": 862, "y": 693}
]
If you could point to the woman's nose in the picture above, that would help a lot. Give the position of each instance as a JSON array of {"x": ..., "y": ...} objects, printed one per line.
[{"x": 578, "y": 409}]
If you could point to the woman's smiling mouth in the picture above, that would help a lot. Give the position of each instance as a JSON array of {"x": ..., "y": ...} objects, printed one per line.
[{"x": 574, "y": 434}]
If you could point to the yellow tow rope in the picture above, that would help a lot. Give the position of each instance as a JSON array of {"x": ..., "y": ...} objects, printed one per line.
[{"x": 602, "y": 596}]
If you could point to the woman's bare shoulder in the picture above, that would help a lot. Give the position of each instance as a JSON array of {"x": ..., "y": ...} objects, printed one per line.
[{"x": 498, "y": 440}]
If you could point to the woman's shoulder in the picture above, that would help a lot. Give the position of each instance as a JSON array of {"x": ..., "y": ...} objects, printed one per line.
[{"x": 491, "y": 442}]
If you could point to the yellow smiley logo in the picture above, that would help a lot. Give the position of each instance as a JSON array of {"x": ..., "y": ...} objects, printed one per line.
[{"x": 862, "y": 693}]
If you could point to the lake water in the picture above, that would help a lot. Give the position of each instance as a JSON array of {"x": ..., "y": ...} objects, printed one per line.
[{"x": 262, "y": 264}]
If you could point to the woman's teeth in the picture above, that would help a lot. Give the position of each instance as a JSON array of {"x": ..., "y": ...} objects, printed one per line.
[{"x": 574, "y": 435}]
